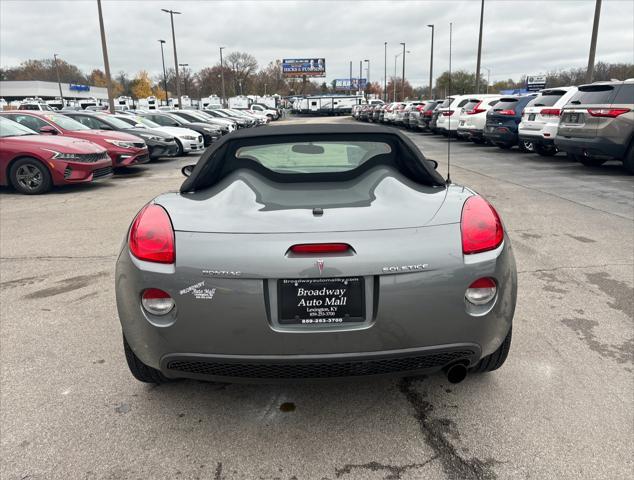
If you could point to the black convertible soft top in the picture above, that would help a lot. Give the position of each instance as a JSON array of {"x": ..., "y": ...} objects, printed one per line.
[{"x": 219, "y": 160}]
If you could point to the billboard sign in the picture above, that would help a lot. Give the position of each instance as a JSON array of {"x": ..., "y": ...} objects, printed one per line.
[
  {"x": 344, "y": 84},
  {"x": 300, "y": 67},
  {"x": 535, "y": 83}
]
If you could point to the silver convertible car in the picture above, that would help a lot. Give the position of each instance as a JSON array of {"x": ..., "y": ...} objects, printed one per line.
[{"x": 312, "y": 252}]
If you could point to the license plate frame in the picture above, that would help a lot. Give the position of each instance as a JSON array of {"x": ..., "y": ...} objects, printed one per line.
[
  {"x": 321, "y": 301},
  {"x": 574, "y": 117},
  {"x": 531, "y": 117}
]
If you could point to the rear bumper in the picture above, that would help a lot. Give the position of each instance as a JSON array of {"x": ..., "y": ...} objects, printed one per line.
[
  {"x": 501, "y": 135},
  {"x": 538, "y": 140},
  {"x": 599, "y": 147},
  {"x": 271, "y": 368},
  {"x": 407, "y": 315},
  {"x": 471, "y": 133}
]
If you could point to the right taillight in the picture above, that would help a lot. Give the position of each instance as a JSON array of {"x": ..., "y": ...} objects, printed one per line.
[
  {"x": 157, "y": 302},
  {"x": 550, "y": 112},
  {"x": 505, "y": 112},
  {"x": 607, "y": 112},
  {"x": 481, "y": 292},
  {"x": 480, "y": 225},
  {"x": 152, "y": 236}
]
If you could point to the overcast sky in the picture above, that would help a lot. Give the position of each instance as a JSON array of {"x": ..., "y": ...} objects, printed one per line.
[{"x": 520, "y": 36}]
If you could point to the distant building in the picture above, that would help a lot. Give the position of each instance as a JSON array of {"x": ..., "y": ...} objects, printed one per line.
[{"x": 15, "y": 90}]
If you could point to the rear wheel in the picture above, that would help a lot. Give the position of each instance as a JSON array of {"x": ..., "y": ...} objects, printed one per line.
[
  {"x": 628, "y": 161},
  {"x": 526, "y": 146},
  {"x": 30, "y": 176},
  {"x": 496, "y": 359},
  {"x": 545, "y": 150},
  {"x": 140, "y": 370}
]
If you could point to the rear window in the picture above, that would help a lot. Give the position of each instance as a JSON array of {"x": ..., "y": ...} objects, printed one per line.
[
  {"x": 593, "y": 95},
  {"x": 429, "y": 106},
  {"x": 470, "y": 104},
  {"x": 625, "y": 95},
  {"x": 446, "y": 103},
  {"x": 506, "y": 104},
  {"x": 546, "y": 99},
  {"x": 313, "y": 157}
]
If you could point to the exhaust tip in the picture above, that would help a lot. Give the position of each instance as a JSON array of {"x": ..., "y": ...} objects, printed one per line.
[{"x": 456, "y": 373}]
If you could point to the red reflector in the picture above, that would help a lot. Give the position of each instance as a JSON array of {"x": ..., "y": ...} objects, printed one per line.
[
  {"x": 607, "y": 112},
  {"x": 320, "y": 248},
  {"x": 481, "y": 226},
  {"x": 152, "y": 293},
  {"x": 483, "y": 283},
  {"x": 506, "y": 112},
  {"x": 448, "y": 113},
  {"x": 151, "y": 236},
  {"x": 550, "y": 112}
]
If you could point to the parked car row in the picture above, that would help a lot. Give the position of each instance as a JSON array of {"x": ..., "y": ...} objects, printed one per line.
[
  {"x": 41, "y": 148},
  {"x": 592, "y": 123}
]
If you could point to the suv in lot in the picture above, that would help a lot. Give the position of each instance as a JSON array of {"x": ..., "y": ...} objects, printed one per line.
[
  {"x": 502, "y": 122},
  {"x": 426, "y": 114},
  {"x": 541, "y": 119},
  {"x": 447, "y": 122},
  {"x": 473, "y": 118},
  {"x": 598, "y": 124}
]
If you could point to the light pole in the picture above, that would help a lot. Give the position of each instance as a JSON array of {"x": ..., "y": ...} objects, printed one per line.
[
  {"x": 403, "y": 82},
  {"x": 59, "y": 82},
  {"x": 385, "y": 74},
  {"x": 164, "y": 73},
  {"x": 350, "y": 79},
  {"x": 222, "y": 75},
  {"x": 394, "y": 80},
  {"x": 477, "y": 79},
  {"x": 431, "y": 64},
  {"x": 106, "y": 63},
  {"x": 593, "y": 42},
  {"x": 368, "y": 70},
  {"x": 178, "y": 82},
  {"x": 184, "y": 65},
  {"x": 488, "y": 77}
]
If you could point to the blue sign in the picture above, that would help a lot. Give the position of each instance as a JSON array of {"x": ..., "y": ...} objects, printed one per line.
[
  {"x": 357, "y": 84},
  {"x": 79, "y": 88}
]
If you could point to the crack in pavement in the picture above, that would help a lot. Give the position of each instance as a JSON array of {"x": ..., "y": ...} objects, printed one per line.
[
  {"x": 394, "y": 472},
  {"x": 436, "y": 432},
  {"x": 59, "y": 257},
  {"x": 576, "y": 267}
]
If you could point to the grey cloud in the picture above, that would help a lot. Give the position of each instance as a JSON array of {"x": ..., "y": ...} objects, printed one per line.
[{"x": 520, "y": 37}]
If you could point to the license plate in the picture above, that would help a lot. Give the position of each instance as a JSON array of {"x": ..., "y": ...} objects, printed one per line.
[
  {"x": 531, "y": 116},
  {"x": 574, "y": 117},
  {"x": 461, "y": 123},
  {"x": 321, "y": 301}
]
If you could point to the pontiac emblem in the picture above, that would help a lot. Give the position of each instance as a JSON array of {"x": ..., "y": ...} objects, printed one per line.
[{"x": 320, "y": 266}]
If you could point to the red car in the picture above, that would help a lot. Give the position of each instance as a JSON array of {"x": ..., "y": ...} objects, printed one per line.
[
  {"x": 33, "y": 163},
  {"x": 124, "y": 149}
]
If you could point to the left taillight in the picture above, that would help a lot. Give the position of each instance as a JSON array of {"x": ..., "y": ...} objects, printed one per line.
[
  {"x": 152, "y": 236},
  {"x": 481, "y": 226}
]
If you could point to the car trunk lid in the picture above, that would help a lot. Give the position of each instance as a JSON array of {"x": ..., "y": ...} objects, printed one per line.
[{"x": 246, "y": 202}]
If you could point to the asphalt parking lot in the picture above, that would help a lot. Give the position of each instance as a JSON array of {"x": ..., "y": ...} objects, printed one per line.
[{"x": 560, "y": 408}]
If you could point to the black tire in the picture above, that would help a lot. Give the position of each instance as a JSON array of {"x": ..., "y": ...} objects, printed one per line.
[
  {"x": 181, "y": 150},
  {"x": 30, "y": 176},
  {"x": 526, "y": 146},
  {"x": 496, "y": 359},
  {"x": 545, "y": 151},
  {"x": 628, "y": 161},
  {"x": 140, "y": 370}
]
